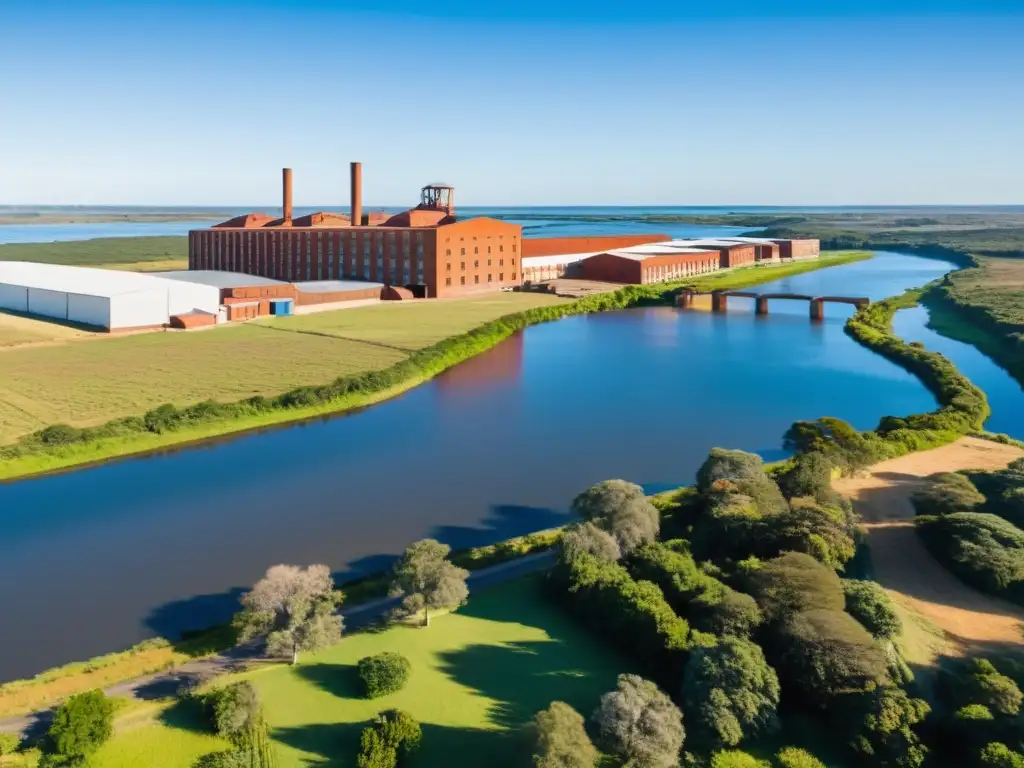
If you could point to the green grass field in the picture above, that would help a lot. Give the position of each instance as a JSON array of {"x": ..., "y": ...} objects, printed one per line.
[
  {"x": 88, "y": 382},
  {"x": 119, "y": 252},
  {"x": 477, "y": 676}
]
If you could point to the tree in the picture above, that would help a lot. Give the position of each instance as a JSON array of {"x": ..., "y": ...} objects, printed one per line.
[
  {"x": 640, "y": 724},
  {"x": 427, "y": 581},
  {"x": 384, "y": 673},
  {"x": 621, "y": 509},
  {"x": 869, "y": 604},
  {"x": 810, "y": 527},
  {"x": 294, "y": 607},
  {"x": 993, "y": 690},
  {"x": 590, "y": 539},
  {"x": 794, "y": 757},
  {"x": 730, "y": 693},
  {"x": 734, "y": 758},
  {"x": 882, "y": 723},
  {"x": 81, "y": 725},
  {"x": 795, "y": 582},
  {"x": 743, "y": 473},
  {"x": 238, "y": 717},
  {"x": 996, "y": 755},
  {"x": 561, "y": 739},
  {"x": 389, "y": 741},
  {"x": 810, "y": 474}
]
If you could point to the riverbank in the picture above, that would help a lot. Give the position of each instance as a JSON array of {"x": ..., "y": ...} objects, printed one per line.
[{"x": 60, "y": 447}]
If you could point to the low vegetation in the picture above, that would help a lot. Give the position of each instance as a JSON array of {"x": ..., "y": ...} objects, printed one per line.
[
  {"x": 383, "y": 673},
  {"x": 115, "y": 252}
]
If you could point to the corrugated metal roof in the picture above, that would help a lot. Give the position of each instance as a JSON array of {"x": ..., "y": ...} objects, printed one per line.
[
  {"x": 329, "y": 286},
  {"x": 647, "y": 252},
  {"x": 84, "y": 281},
  {"x": 217, "y": 278}
]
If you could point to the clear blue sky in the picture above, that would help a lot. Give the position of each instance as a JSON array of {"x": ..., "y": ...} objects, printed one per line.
[{"x": 524, "y": 102}]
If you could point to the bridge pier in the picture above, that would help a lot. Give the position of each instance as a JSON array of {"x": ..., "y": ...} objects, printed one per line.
[
  {"x": 684, "y": 300},
  {"x": 817, "y": 309},
  {"x": 719, "y": 301},
  {"x": 762, "y": 306}
]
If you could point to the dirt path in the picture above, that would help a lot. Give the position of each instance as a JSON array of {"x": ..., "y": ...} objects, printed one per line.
[{"x": 901, "y": 563}]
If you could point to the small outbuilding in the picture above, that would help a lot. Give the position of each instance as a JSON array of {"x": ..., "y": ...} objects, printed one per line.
[
  {"x": 101, "y": 298},
  {"x": 649, "y": 264}
]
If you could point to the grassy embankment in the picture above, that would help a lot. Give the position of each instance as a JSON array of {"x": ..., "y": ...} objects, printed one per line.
[
  {"x": 90, "y": 393},
  {"x": 140, "y": 254},
  {"x": 477, "y": 676}
]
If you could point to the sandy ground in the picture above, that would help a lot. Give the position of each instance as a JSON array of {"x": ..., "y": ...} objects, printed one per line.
[{"x": 881, "y": 495}]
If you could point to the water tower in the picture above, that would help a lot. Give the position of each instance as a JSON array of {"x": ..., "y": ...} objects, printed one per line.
[{"x": 438, "y": 197}]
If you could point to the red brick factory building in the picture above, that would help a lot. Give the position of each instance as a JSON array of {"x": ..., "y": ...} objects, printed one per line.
[{"x": 427, "y": 252}]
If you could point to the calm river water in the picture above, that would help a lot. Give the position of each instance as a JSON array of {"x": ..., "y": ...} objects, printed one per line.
[{"x": 95, "y": 560}]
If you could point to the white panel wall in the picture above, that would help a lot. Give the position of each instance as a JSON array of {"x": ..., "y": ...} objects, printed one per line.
[
  {"x": 89, "y": 310},
  {"x": 48, "y": 303},
  {"x": 14, "y": 297},
  {"x": 138, "y": 309},
  {"x": 185, "y": 297}
]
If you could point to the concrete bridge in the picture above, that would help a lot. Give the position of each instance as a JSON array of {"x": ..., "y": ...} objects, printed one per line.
[{"x": 720, "y": 301}]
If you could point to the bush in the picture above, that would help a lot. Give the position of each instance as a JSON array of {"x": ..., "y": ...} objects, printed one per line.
[
  {"x": 561, "y": 739},
  {"x": 826, "y": 653},
  {"x": 601, "y": 500},
  {"x": 882, "y": 723},
  {"x": 730, "y": 693},
  {"x": 742, "y": 473},
  {"x": 228, "y": 758},
  {"x": 795, "y": 582},
  {"x": 632, "y": 614},
  {"x": 973, "y": 712},
  {"x": 794, "y": 757},
  {"x": 733, "y": 758},
  {"x": 982, "y": 549},
  {"x": 621, "y": 509},
  {"x": 384, "y": 673},
  {"x": 869, "y": 604},
  {"x": 389, "y": 741},
  {"x": 998, "y": 755},
  {"x": 236, "y": 709},
  {"x": 945, "y": 493},
  {"x": 590, "y": 539},
  {"x": 81, "y": 725},
  {"x": 639, "y": 724},
  {"x": 995, "y": 691},
  {"x": 809, "y": 474},
  {"x": 9, "y": 743},
  {"x": 1004, "y": 491},
  {"x": 823, "y": 532}
]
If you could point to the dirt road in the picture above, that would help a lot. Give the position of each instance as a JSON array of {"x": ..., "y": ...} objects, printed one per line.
[{"x": 901, "y": 563}]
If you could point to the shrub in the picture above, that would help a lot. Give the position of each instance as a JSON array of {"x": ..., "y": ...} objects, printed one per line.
[
  {"x": 974, "y": 712},
  {"x": 621, "y": 509},
  {"x": 795, "y": 582},
  {"x": 639, "y": 724},
  {"x": 945, "y": 493},
  {"x": 384, "y": 673},
  {"x": 984, "y": 550},
  {"x": 842, "y": 445},
  {"x": 235, "y": 708},
  {"x": 389, "y": 741},
  {"x": 869, "y": 604},
  {"x": 882, "y": 723},
  {"x": 826, "y": 653},
  {"x": 998, "y": 755},
  {"x": 81, "y": 725},
  {"x": 809, "y": 474},
  {"x": 590, "y": 539},
  {"x": 632, "y": 614},
  {"x": 561, "y": 739},
  {"x": 1004, "y": 491},
  {"x": 794, "y": 757},
  {"x": 228, "y": 758},
  {"x": 995, "y": 691},
  {"x": 742, "y": 473},
  {"x": 733, "y": 758},
  {"x": 730, "y": 693},
  {"x": 600, "y": 500},
  {"x": 807, "y": 526},
  {"x": 9, "y": 743}
]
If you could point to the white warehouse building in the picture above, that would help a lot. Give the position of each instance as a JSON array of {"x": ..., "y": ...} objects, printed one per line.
[{"x": 104, "y": 298}]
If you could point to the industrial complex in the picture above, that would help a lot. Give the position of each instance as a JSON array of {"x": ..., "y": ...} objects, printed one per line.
[{"x": 257, "y": 264}]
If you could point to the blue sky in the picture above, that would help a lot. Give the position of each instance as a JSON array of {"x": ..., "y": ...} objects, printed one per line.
[{"x": 526, "y": 102}]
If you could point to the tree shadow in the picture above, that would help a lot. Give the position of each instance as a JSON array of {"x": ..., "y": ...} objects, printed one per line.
[
  {"x": 326, "y": 744},
  {"x": 187, "y": 715},
  {"x": 341, "y": 680},
  {"x": 194, "y": 614},
  {"x": 522, "y": 678}
]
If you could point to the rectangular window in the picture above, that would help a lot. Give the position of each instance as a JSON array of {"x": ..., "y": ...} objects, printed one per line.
[
  {"x": 319, "y": 255},
  {"x": 419, "y": 257},
  {"x": 476, "y": 278},
  {"x": 475, "y": 250},
  {"x": 462, "y": 266},
  {"x": 448, "y": 267},
  {"x": 447, "y": 281},
  {"x": 379, "y": 242},
  {"x": 309, "y": 258},
  {"x": 366, "y": 256},
  {"x": 462, "y": 251},
  {"x": 513, "y": 275},
  {"x": 513, "y": 247},
  {"x": 513, "y": 262},
  {"x": 462, "y": 281},
  {"x": 501, "y": 262},
  {"x": 406, "y": 260},
  {"x": 501, "y": 248},
  {"x": 447, "y": 252},
  {"x": 501, "y": 277},
  {"x": 476, "y": 265},
  {"x": 488, "y": 277},
  {"x": 488, "y": 262},
  {"x": 488, "y": 249}
]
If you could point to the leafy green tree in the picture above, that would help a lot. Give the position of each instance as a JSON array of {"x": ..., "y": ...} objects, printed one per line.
[
  {"x": 80, "y": 726},
  {"x": 998, "y": 755},
  {"x": 794, "y": 757},
  {"x": 295, "y": 608},
  {"x": 869, "y": 604},
  {"x": 809, "y": 474},
  {"x": 590, "y": 539},
  {"x": 383, "y": 673},
  {"x": 734, "y": 758},
  {"x": 884, "y": 722},
  {"x": 389, "y": 741},
  {"x": 993, "y": 690},
  {"x": 946, "y": 493},
  {"x": 810, "y": 527},
  {"x": 621, "y": 509},
  {"x": 795, "y": 582},
  {"x": 730, "y": 693},
  {"x": 601, "y": 500},
  {"x": 561, "y": 739},
  {"x": 238, "y": 717},
  {"x": 639, "y": 724},
  {"x": 974, "y": 713},
  {"x": 742, "y": 473},
  {"x": 374, "y": 751},
  {"x": 9, "y": 743},
  {"x": 426, "y": 580}
]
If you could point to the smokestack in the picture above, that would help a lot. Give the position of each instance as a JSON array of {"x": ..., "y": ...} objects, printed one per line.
[
  {"x": 286, "y": 202},
  {"x": 357, "y": 194}
]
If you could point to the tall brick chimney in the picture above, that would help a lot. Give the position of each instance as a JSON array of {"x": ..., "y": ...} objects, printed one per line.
[
  {"x": 357, "y": 194},
  {"x": 286, "y": 202}
]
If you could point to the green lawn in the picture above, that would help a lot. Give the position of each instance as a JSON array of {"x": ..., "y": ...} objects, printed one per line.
[
  {"x": 87, "y": 382},
  {"x": 477, "y": 676},
  {"x": 140, "y": 252}
]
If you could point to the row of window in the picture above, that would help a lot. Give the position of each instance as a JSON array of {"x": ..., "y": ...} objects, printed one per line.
[
  {"x": 476, "y": 250},
  {"x": 476, "y": 279},
  {"x": 476, "y": 264}
]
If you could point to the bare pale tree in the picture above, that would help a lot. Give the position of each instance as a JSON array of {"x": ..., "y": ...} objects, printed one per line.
[
  {"x": 294, "y": 607},
  {"x": 587, "y": 538},
  {"x": 426, "y": 580},
  {"x": 620, "y": 508},
  {"x": 639, "y": 724}
]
